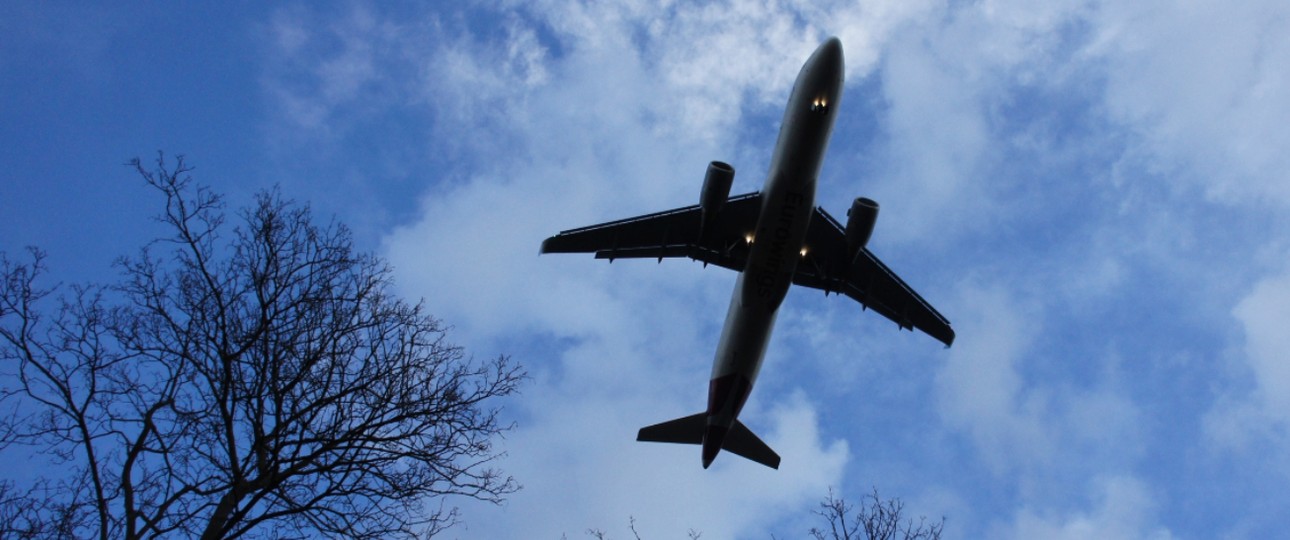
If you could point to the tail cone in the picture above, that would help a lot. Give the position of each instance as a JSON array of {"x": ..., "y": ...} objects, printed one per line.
[{"x": 712, "y": 441}]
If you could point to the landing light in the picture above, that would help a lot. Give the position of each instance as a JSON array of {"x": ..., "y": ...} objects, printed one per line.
[
  {"x": 803, "y": 252},
  {"x": 820, "y": 104},
  {"x": 748, "y": 238}
]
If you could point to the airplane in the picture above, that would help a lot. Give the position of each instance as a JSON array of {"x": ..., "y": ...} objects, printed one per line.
[{"x": 773, "y": 238}]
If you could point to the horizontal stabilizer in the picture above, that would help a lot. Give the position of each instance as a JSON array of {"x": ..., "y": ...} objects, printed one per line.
[
  {"x": 741, "y": 441},
  {"x": 687, "y": 430}
]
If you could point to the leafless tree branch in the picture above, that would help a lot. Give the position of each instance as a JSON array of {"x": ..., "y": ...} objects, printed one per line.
[
  {"x": 875, "y": 519},
  {"x": 243, "y": 383}
]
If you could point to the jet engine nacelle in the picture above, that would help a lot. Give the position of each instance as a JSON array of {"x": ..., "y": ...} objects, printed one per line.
[
  {"x": 860, "y": 220},
  {"x": 716, "y": 189}
]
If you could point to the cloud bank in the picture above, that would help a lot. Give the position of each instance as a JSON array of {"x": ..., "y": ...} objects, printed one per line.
[{"x": 1093, "y": 192}]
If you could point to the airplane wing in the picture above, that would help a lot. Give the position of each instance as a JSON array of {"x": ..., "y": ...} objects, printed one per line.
[
  {"x": 674, "y": 233},
  {"x": 868, "y": 280}
]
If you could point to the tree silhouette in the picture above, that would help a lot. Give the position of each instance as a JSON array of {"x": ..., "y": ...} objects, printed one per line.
[
  {"x": 874, "y": 519},
  {"x": 262, "y": 382}
]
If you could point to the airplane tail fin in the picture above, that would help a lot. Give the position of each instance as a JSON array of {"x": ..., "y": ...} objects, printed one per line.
[
  {"x": 691, "y": 430},
  {"x": 741, "y": 441},
  {"x": 687, "y": 430}
]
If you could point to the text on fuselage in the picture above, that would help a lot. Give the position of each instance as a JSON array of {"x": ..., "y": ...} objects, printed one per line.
[{"x": 781, "y": 255}]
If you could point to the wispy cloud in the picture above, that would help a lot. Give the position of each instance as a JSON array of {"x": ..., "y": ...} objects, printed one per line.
[
  {"x": 1203, "y": 84},
  {"x": 594, "y": 135},
  {"x": 1122, "y": 508},
  {"x": 1078, "y": 185}
]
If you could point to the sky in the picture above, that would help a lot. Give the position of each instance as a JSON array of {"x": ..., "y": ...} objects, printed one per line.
[{"x": 1095, "y": 193}]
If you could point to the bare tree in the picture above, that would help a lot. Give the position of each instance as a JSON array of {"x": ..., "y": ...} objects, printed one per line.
[
  {"x": 874, "y": 519},
  {"x": 600, "y": 534},
  {"x": 262, "y": 382}
]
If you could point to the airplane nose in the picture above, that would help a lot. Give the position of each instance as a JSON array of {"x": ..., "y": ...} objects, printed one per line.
[
  {"x": 823, "y": 71},
  {"x": 830, "y": 54},
  {"x": 831, "y": 46}
]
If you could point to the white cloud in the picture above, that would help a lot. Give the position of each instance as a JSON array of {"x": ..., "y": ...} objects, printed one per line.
[
  {"x": 981, "y": 390},
  {"x": 571, "y": 113},
  {"x": 938, "y": 141},
  {"x": 1039, "y": 432},
  {"x": 1246, "y": 419},
  {"x": 308, "y": 92},
  {"x": 581, "y": 468},
  {"x": 603, "y": 131},
  {"x": 1206, "y": 85},
  {"x": 1123, "y": 509},
  {"x": 1264, "y": 313},
  {"x": 948, "y": 77}
]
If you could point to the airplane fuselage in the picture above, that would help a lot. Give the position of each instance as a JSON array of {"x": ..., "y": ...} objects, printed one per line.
[
  {"x": 764, "y": 236},
  {"x": 788, "y": 200}
]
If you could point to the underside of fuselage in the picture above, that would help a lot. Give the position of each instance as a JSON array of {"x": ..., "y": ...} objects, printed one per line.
[{"x": 776, "y": 246}]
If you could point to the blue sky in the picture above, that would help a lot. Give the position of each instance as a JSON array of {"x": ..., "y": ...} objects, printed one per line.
[{"x": 1095, "y": 194}]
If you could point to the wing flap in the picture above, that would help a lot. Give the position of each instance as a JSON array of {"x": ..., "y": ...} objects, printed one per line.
[{"x": 732, "y": 259}]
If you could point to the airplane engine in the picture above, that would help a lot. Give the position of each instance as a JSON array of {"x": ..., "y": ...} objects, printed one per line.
[
  {"x": 860, "y": 220},
  {"x": 716, "y": 189}
]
